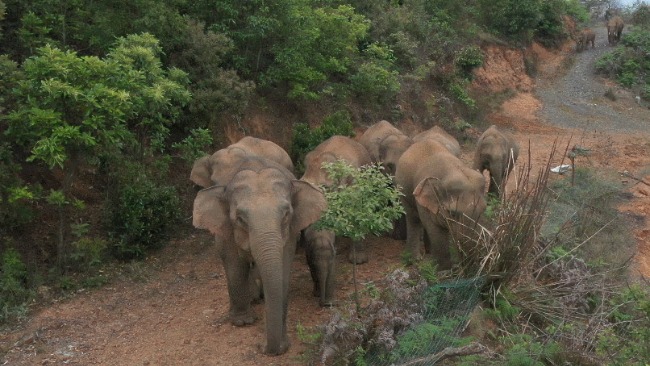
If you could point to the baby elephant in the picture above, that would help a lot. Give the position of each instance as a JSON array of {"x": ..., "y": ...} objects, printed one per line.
[
  {"x": 585, "y": 37},
  {"x": 497, "y": 152}
]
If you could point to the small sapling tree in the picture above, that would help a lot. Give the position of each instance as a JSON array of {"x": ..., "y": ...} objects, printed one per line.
[{"x": 368, "y": 205}]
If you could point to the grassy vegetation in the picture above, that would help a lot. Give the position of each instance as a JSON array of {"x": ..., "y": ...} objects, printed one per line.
[{"x": 628, "y": 63}]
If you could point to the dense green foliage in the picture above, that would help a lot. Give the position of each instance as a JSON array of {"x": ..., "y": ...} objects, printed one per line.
[
  {"x": 14, "y": 291},
  {"x": 367, "y": 206},
  {"x": 628, "y": 63}
]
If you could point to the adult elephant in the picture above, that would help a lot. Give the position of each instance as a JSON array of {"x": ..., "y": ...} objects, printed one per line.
[
  {"x": 496, "y": 152},
  {"x": 256, "y": 218},
  {"x": 223, "y": 164},
  {"x": 320, "y": 244},
  {"x": 385, "y": 144},
  {"x": 437, "y": 187},
  {"x": 615, "y": 27},
  {"x": 585, "y": 37},
  {"x": 436, "y": 133}
]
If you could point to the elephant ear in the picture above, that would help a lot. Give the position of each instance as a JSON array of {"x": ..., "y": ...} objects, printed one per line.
[
  {"x": 211, "y": 212},
  {"x": 201, "y": 172},
  {"x": 308, "y": 204},
  {"x": 426, "y": 194}
]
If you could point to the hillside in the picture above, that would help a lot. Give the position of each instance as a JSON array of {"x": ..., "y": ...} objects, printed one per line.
[{"x": 171, "y": 308}]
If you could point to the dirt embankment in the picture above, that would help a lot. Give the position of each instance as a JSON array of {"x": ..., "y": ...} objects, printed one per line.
[{"x": 172, "y": 309}]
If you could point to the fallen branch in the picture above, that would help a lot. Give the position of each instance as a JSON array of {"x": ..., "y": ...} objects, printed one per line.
[
  {"x": 625, "y": 173},
  {"x": 471, "y": 349}
]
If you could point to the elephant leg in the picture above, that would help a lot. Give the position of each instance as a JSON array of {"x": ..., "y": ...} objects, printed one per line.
[
  {"x": 237, "y": 270},
  {"x": 359, "y": 255},
  {"x": 321, "y": 257},
  {"x": 438, "y": 243},
  {"x": 414, "y": 232},
  {"x": 399, "y": 229}
]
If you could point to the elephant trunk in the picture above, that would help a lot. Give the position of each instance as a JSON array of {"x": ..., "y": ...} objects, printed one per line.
[{"x": 268, "y": 252}]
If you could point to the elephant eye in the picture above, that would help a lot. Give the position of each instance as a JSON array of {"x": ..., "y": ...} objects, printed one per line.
[{"x": 240, "y": 221}]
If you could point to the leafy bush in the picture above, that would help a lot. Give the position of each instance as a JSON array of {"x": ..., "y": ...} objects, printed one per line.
[
  {"x": 628, "y": 342},
  {"x": 305, "y": 139},
  {"x": 550, "y": 30},
  {"x": 628, "y": 63},
  {"x": 14, "y": 292},
  {"x": 468, "y": 59},
  {"x": 374, "y": 84},
  {"x": 512, "y": 18},
  {"x": 141, "y": 214}
]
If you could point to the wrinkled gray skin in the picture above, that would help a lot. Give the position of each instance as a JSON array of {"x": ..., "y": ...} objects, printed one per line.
[
  {"x": 496, "y": 152},
  {"x": 256, "y": 219},
  {"x": 219, "y": 168},
  {"x": 385, "y": 144},
  {"x": 319, "y": 245},
  {"x": 437, "y": 185},
  {"x": 436, "y": 133}
]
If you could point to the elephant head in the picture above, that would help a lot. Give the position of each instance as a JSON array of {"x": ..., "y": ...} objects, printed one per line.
[
  {"x": 385, "y": 144},
  {"x": 391, "y": 148},
  {"x": 496, "y": 152},
  {"x": 219, "y": 168},
  {"x": 455, "y": 198},
  {"x": 257, "y": 218}
]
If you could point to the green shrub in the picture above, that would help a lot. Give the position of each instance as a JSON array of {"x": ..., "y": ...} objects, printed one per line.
[
  {"x": 458, "y": 90},
  {"x": 373, "y": 83},
  {"x": 14, "y": 291},
  {"x": 628, "y": 341},
  {"x": 468, "y": 59},
  {"x": 428, "y": 338},
  {"x": 141, "y": 214},
  {"x": 628, "y": 64},
  {"x": 550, "y": 30}
]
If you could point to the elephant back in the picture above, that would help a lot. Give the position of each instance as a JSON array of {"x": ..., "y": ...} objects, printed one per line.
[
  {"x": 375, "y": 134},
  {"x": 335, "y": 148},
  {"x": 438, "y": 134}
]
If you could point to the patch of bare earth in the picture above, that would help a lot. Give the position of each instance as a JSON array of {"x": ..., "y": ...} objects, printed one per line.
[{"x": 172, "y": 309}]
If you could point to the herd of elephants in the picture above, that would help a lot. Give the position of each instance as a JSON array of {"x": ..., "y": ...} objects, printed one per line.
[
  {"x": 258, "y": 211},
  {"x": 614, "y": 24}
]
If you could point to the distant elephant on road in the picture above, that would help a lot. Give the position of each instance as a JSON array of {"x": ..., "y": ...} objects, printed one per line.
[
  {"x": 615, "y": 27},
  {"x": 438, "y": 134},
  {"x": 385, "y": 144},
  {"x": 320, "y": 244},
  {"x": 256, "y": 218},
  {"x": 437, "y": 187},
  {"x": 219, "y": 168},
  {"x": 585, "y": 37},
  {"x": 496, "y": 152}
]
